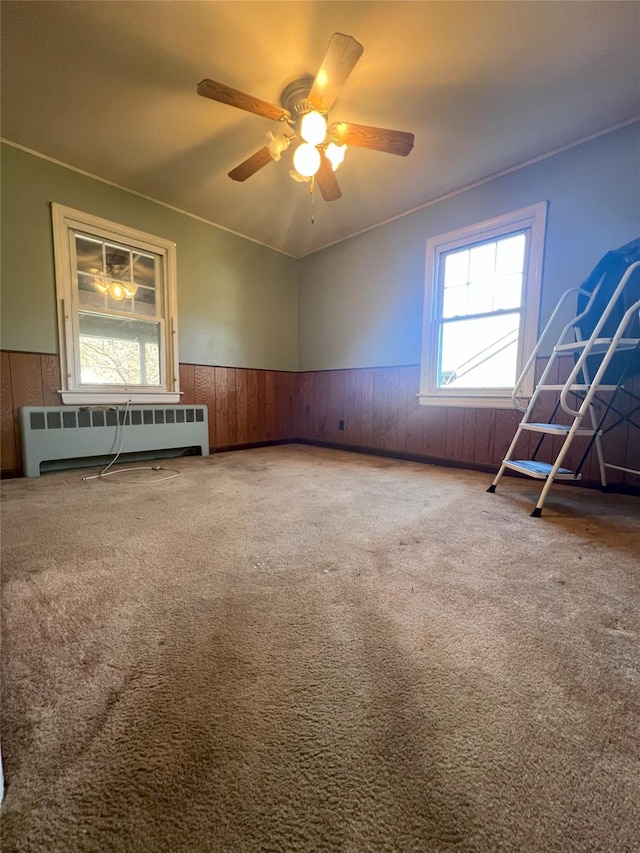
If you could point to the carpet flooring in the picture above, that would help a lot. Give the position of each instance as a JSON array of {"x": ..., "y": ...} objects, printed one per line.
[{"x": 301, "y": 649}]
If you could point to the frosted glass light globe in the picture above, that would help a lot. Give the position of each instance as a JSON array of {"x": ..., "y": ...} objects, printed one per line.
[
  {"x": 313, "y": 128},
  {"x": 335, "y": 154},
  {"x": 306, "y": 159}
]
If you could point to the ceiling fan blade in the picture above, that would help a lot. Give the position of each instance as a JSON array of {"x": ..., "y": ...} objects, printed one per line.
[
  {"x": 227, "y": 95},
  {"x": 377, "y": 138},
  {"x": 252, "y": 165},
  {"x": 338, "y": 63},
  {"x": 327, "y": 181}
]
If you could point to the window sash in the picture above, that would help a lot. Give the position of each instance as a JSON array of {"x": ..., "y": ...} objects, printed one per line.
[
  {"x": 85, "y": 386},
  {"x": 159, "y": 257},
  {"x": 480, "y": 355}
]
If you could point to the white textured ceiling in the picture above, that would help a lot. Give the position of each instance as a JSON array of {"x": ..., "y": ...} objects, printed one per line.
[{"x": 110, "y": 88}]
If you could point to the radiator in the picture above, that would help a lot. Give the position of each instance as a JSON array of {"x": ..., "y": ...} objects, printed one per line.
[{"x": 51, "y": 433}]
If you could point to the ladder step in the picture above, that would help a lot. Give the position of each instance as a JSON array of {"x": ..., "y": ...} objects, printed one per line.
[
  {"x": 599, "y": 345},
  {"x": 556, "y": 429},
  {"x": 540, "y": 470},
  {"x": 576, "y": 387}
]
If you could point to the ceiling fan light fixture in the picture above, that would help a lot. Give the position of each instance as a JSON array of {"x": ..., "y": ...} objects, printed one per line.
[
  {"x": 277, "y": 144},
  {"x": 305, "y": 104},
  {"x": 298, "y": 177},
  {"x": 335, "y": 154},
  {"x": 313, "y": 127},
  {"x": 306, "y": 159}
]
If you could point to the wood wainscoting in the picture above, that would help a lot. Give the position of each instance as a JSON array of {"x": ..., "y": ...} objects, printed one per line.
[
  {"x": 376, "y": 407},
  {"x": 245, "y": 406},
  {"x": 379, "y": 410}
]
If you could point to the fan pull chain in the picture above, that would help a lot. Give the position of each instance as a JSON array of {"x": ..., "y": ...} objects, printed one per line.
[{"x": 312, "y": 190}]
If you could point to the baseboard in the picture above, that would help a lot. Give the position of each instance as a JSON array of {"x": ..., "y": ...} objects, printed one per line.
[
  {"x": 616, "y": 488},
  {"x": 249, "y": 445},
  {"x": 10, "y": 473},
  {"x": 399, "y": 454}
]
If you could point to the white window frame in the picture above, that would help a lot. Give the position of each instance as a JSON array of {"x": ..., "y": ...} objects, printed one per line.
[
  {"x": 66, "y": 221},
  {"x": 531, "y": 219}
]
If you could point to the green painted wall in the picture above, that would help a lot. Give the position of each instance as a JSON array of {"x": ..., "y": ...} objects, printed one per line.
[
  {"x": 355, "y": 304},
  {"x": 360, "y": 301},
  {"x": 237, "y": 300}
]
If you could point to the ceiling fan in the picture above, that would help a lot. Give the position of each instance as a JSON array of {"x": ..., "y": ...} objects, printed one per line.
[{"x": 306, "y": 102}]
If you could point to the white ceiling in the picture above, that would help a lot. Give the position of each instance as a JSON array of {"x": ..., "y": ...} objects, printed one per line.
[{"x": 110, "y": 88}]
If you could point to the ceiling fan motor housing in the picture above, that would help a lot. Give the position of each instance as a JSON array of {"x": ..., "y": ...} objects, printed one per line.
[{"x": 295, "y": 97}]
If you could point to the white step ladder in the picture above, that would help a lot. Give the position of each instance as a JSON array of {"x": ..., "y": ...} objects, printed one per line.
[{"x": 580, "y": 389}]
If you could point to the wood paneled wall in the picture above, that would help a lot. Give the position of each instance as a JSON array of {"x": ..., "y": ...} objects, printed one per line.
[
  {"x": 380, "y": 411},
  {"x": 245, "y": 406},
  {"x": 27, "y": 379},
  {"x": 378, "y": 406}
]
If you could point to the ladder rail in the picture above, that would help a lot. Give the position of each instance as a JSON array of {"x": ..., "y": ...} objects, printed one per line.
[
  {"x": 586, "y": 351},
  {"x": 515, "y": 396},
  {"x": 596, "y": 439},
  {"x": 604, "y": 364}
]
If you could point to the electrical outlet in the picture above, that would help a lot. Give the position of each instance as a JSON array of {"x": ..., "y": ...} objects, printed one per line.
[{"x": 341, "y": 425}]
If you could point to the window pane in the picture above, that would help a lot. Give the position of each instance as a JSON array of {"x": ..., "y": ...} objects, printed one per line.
[
  {"x": 120, "y": 302},
  {"x": 145, "y": 302},
  {"x": 482, "y": 261},
  {"x": 455, "y": 301},
  {"x": 118, "y": 351},
  {"x": 152, "y": 362},
  {"x": 507, "y": 292},
  {"x": 88, "y": 254},
  {"x": 88, "y": 293},
  {"x": 118, "y": 261},
  {"x": 456, "y": 268},
  {"x": 510, "y": 255},
  {"x": 479, "y": 353},
  {"x": 480, "y": 299},
  {"x": 144, "y": 270}
]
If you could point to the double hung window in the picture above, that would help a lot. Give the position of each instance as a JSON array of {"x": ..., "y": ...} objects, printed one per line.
[
  {"x": 481, "y": 309},
  {"x": 116, "y": 311}
]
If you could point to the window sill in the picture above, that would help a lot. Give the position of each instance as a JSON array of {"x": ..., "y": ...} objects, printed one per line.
[
  {"x": 470, "y": 401},
  {"x": 92, "y": 398}
]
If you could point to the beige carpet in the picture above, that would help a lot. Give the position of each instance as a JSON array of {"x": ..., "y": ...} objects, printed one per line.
[{"x": 299, "y": 649}]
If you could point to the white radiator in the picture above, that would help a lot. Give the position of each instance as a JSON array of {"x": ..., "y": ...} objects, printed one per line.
[{"x": 51, "y": 433}]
